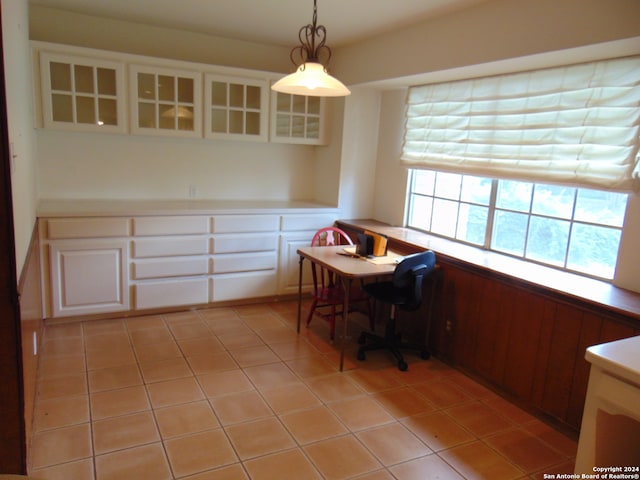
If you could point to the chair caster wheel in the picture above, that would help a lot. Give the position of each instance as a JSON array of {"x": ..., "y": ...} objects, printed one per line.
[
  {"x": 402, "y": 365},
  {"x": 425, "y": 355},
  {"x": 362, "y": 339},
  {"x": 360, "y": 356}
]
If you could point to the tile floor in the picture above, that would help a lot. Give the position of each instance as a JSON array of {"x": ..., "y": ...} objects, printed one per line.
[{"x": 235, "y": 393}]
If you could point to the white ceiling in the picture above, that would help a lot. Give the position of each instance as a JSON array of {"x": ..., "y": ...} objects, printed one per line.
[{"x": 273, "y": 22}]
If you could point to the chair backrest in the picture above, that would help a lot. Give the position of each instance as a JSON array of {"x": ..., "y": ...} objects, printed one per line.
[
  {"x": 409, "y": 274},
  {"x": 330, "y": 236}
]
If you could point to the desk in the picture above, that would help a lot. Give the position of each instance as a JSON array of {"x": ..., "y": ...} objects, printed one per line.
[{"x": 347, "y": 269}]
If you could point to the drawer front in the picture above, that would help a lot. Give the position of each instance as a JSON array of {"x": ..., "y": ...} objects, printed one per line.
[
  {"x": 244, "y": 262},
  {"x": 244, "y": 285},
  {"x": 177, "y": 225},
  {"x": 245, "y": 223},
  {"x": 166, "y": 247},
  {"x": 171, "y": 293},
  {"x": 306, "y": 222},
  {"x": 170, "y": 267},
  {"x": 244, "y": 243},
  {"x": 59, "y": 228}
]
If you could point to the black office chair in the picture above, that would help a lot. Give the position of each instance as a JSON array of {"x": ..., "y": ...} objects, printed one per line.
[{"x": 403, "y": 291}]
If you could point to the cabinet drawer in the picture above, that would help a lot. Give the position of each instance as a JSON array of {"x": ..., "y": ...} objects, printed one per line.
[
  {"x": 244, "y": 285},
  {"x": 244, "y": 243},
  {"x": 166, "y": 247},
  {"x": 244, "y": 262},
  {"x": 170, "y": 267},
  {"x": 245, "y": 223},
  {"x": 171, "y": 293},
  {"x": 306, "y": 222},
  {"x": 58, "y": 228},
  {"x": 176, "y": 225}
]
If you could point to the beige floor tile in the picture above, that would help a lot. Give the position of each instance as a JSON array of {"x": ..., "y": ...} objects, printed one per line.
[
  {"x": 64, "y": 330},
  {"x": 196, "y": 329},
  {"x": 230, "y": 472},
  {"x": 392, "y": 444},
  {"x": 477, "y": 461},
  {"x": 211, "y": 363},
  {"x": 186, "y": 419},
  {"x": 240, "y": 407},
  {"x": 148, "y": 321},
  {"x": 114, "y": 377},
  {"x": 360, "y": 413},
  {"x": 253, "y": 309},
  {"x": 234, "y": 341},
  {"x": 200, "y": 346},
  {"x": 61, "y": 366},
  {"x": 145, "y": 336},
  {"x": 174, "y": 392},
  {"x": 165, "y": 370},
  {"x": 224, "y": 383},
  {"x": 442, "y": 393},
  {"x": 292, "y": 349},
  {"x": 118, "y": 433},
  {"x": 81, "y": 469},
  {"x": 112, "y": 403},
  {"x": 61, "y": 412},
  {"x": 437, "y": 430},
  {"x": 526, "y": 451},
  {"x": 312, "y": 366},
  {"x": 107, "y": 341},
  {"x": 259, "y": 437},
  {"x": 262, "y": 321},
  {"x": 111, "y": 357},
  {"x": 334, "y": 388},
  {"x": 199, "y": 452},
  {"x": 478, "y": 418},
  {"x": 277, "y": 335},
  {"x": 557, "y": 440},
  {"x": 287, "y": 398},
  {"x": 101, "y": 327},
  {"x": 509, "y": 410},
  {"x": 260, "y": 355},
  {"x": 62, "y": 346},
  {"x": 430, "y": 467},
  {"x": 403, "y": 402},
  {"x": 227, "y": 326},
  {"x": 373, "y": 381},
  {"x": 377, "y": 475},
  {"x": 341, "y": 457},
  {"x": 271, "y": 375},
  {"x": 287, "y": 465},
  {"x": 74, "y": 384},
  {"x": 312, "y": 425},
  {"x": 147, "y": 462},
  {"x": 61, "y": 445},
  {"x": 154, "y": 352},
  {"x": 182, "y": 317}
]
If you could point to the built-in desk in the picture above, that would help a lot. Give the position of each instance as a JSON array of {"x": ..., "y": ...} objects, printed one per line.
[{"x": 523, "y": 329}]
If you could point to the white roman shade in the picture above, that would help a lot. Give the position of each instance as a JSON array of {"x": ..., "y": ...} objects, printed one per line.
[{"x": 577, "y": 125}]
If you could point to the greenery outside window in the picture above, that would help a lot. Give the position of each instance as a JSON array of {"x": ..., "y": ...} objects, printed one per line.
[{"x": 570, "y": 228}]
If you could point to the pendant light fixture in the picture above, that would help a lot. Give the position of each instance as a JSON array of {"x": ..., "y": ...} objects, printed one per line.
[{"x": 311, "y": 77}]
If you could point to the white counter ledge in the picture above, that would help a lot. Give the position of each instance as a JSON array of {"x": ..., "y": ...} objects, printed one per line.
[{"x": 106, "y": 208}]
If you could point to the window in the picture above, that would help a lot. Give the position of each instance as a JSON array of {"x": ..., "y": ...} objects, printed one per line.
[{"x": 574, "y": 229}]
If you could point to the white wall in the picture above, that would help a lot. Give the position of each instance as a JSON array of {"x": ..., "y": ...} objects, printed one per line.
[{"x": 17, "y": 70}]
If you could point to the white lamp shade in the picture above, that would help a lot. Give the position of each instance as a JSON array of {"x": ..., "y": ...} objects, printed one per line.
[{"x": 312, "y": 80}]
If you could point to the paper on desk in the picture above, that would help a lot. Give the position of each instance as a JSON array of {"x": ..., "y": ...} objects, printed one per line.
[{"x": 388, "y": 259}]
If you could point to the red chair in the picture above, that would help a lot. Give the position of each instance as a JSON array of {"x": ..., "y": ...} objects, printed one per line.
[{"x": 327, "y": 293}]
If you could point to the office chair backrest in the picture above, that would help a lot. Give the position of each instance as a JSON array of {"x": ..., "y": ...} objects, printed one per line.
[{"x": 409, "y": 274}]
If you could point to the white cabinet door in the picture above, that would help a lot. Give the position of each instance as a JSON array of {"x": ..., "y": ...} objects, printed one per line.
[
  {"x": 289, "y": 268},
  {"x": 90, "y": 276}
]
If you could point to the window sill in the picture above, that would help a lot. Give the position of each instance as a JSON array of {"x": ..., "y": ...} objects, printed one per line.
[{"x": 536, "y": 277}]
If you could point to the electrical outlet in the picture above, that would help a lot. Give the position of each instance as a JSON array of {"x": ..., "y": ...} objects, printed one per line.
[{"x": 193, "y": 191}]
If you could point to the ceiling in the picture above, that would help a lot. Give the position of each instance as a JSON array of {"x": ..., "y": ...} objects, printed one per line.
[{"x": 274, "y": 22}]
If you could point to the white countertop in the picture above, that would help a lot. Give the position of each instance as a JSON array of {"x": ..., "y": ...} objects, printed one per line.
[
  {"x": 620, "y": 358},
  {"x": 98, "y": 208}
]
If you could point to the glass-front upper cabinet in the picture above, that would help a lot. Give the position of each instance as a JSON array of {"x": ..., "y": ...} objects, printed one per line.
[
  {"x": 297, "y": 119},
  {"x": 236, "y": 108},
  {"x": 80, "y": 93},
  {"x": 165, "y": 101}
]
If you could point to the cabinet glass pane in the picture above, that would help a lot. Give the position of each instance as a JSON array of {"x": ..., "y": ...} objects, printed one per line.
[
  {"x": 185, "y": 90},
  {"x": 107, "y": 111},
  {"x": 236, "y": 95},
  {"x": 297, "y": 125},
  {"x": 313, "y": 105},
  {"x": 166, "y": 88},
  {"x": 146, "y": 115},
  {"x": 167, "y": 116},
  {"x": 83, "y": 78},
  {"x": 283, "y": 102},
  {"x": 235, "y": 121},
  {"x": 299, "y": 104},
  {"x": 185, "y": 118},
  {"x": 282, "y": 125},
  {"x": 253, "y": 97},
  {"x": 106, "y": 81},
  {"x": 62, "y": 108},
  {"x": 252, "y": 123},
  {"x": 85, "y": 110},
  {"x": 219, "y": 93},
  {"x": 60, "y": 76},
  {"x": 313, "y": 127},
  {"x": 146, "y": 86},
  {"x": 218, "y": 120}
]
